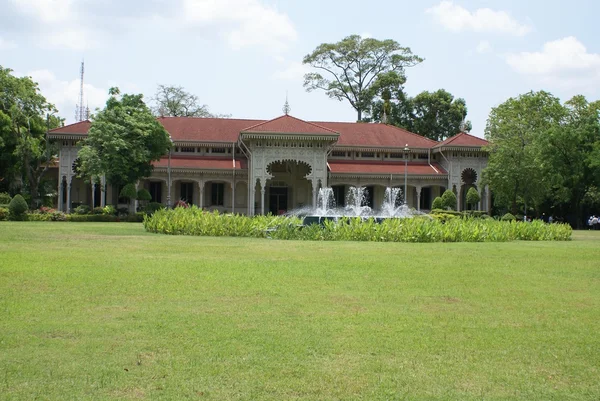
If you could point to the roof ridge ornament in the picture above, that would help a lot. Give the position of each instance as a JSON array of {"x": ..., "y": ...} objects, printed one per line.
[{"x": 286, "y": 105}]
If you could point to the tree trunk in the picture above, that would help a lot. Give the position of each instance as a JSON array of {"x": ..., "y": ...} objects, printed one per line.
[{"x": 359, "y": 112}]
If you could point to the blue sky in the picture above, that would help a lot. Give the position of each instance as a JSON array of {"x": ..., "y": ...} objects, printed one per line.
[{"x": 241, "y": 56}]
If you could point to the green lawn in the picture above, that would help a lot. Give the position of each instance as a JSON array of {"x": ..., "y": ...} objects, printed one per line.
[{"x": 106, "y": 311}]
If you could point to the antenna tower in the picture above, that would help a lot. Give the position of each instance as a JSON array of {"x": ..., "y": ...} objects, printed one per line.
[{"x": 81, "y": 112}]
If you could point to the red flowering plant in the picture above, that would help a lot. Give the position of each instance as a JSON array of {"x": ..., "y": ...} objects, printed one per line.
[
  {"x": 182, "y": 203},
  {"x": 46, "y": 210}
]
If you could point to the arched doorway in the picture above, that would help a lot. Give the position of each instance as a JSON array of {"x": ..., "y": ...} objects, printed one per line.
[
  {"x": 288, "y": 188},
  {"x": 468, "y": 179}
]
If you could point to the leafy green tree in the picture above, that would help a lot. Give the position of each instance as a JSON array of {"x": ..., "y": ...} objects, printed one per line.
[
  {"x": 567, "y": 156},
  {"x": 123, "y": 140},
  {"x": 358, "y": 69},
  {"x": 449, "y": 200},
  {"x": 435, "y": 115},
  {"x": 473, "y": 197},
  {"x": 143, "y": 195},
  {"x": 174, "y": 101},
  {"x": 515, "y": 130},
  {"x": 25, "y": 118},
  {"x": 438, "y": 115}
]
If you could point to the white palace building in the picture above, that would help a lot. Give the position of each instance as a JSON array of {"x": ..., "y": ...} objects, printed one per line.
[{"x": 259, "y": 167}]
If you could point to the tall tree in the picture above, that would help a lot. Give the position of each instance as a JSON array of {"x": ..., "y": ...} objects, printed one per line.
[
  {"x": 438, "y": 115},
  {"x": 123, "y": 140},
  {"x": 567, "y": 157},
  {"x": 358, "y": 69},
  {"x": 174, "y": 101},
  {"x": 25, "y": 118},
  {"x": 435, "y": 115},
  {"x": 515, "y": 129}
]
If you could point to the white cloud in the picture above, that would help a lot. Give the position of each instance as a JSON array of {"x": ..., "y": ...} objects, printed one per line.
[
  {"x": 293, "y": 71},
  {"x": 49, "y": 11},
  {"x": 563, "y": 63},
  {"x": 65, "y": 94},
  {"x": 456, "y": 18},
  {"x": 243, "y": 23},
  {"x": 484, "y": 47},
  {"x": 73, "y": 39},
  {"x": 7, "y": 44}
]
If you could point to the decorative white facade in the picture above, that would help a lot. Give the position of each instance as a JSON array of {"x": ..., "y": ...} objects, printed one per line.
[{"x": 259, "y": 167}]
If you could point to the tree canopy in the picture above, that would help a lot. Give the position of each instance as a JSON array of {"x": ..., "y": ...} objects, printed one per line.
[
  {"x": 435, "y": 115},
  {"x": 542, "y": 154},
  {"x": 174, "y": 101},
  {"x": 25, "y": 118},
  {"x": 123, "y": 140},
  {"x": 358, "y": 69}
]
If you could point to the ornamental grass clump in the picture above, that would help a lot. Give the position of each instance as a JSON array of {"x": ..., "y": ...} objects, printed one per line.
[{"x": 194, "y": 221}]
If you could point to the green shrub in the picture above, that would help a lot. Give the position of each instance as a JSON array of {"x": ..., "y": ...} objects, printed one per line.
[
  {"x": 58, "y": 216},
  {"x": 136, "y": 218},
  {"x": 79, "y": 218},
  {"x": 448, "y": 200},
  {"x": 143, "y": 195},
  {"x": 82, "y": 209},
  {"x": 444, "y": 211},
  {"x": 437, "y": 203},
  {"x": 36, "y": 216},
  {"x": 153, "y": 207},
  {"x": 98, "y": 210},
  {"x": 109, "y": 210},
  {"x": 447, "y": 228},
  {"x": 17, "y": 208},
  {"x": 122, "y": 211},
  {"x": 4, "y": 198},
  {"x": 473, "y": 197},
  {"x": 508, "y": 217},
  {"x": 128, "y": 192},
  {"x": 3, "y": 213}
]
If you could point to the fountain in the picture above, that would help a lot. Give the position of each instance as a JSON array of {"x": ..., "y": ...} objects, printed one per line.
[{"x": 392, "y": 206}]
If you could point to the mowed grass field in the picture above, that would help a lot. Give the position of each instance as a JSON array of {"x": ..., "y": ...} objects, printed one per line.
[{"x": 101, "y": 311}]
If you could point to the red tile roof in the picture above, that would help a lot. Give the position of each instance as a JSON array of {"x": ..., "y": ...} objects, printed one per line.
[
  {"x": 381, "y": 167},
  {"x": 205, "y": 129},
  {"x": 201, "y": 163},
  {"x": 287, "y": 124},
  {"x": 463, "y": 139},
  {"x": 376, "y": 135},
  {"x": 190, "y": 129},
  {"x": 81, "y": 127}
]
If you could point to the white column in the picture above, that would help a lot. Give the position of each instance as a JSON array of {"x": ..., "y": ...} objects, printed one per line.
[
  {"x": 69, "y": 182},
  {"x": 61, "y": 201},
  {"x": 233, "y": 197},
  {"x": 262, "y": 196},
  {"x": 315, "y": 185},
  {"x": 135, "y": 201},
  {"x": 488, "y": 201},
  {"x": 200, "y": 194},
  {"x": 103, "y": 191},
  {"x": 418, "y": 189},
  {"x": 252, "y": 197},
  {"x": 458, "y": 191}
]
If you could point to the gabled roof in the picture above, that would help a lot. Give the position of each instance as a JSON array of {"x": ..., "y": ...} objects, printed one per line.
[
  {"x": 463, "y": 140},
  {"x": 81, "y": 128},
  {"x": 287, "y": 124}
]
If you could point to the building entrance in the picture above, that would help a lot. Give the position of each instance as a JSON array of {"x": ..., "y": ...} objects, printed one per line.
[{"x": 278, "y": 200}]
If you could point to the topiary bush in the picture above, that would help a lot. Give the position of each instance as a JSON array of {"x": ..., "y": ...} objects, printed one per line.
[
  {"x": 473, "y": 197},
  {"x": 143, "y": 195},
  {"x": 508, "y": 217},
  {"x": 437, "y": 203},
  {"x": 449, "y": 200},
  {"x": 3, "y": 213},
  {"x": 17, "y": 208},
  {"x": 128, "y": 192}
]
